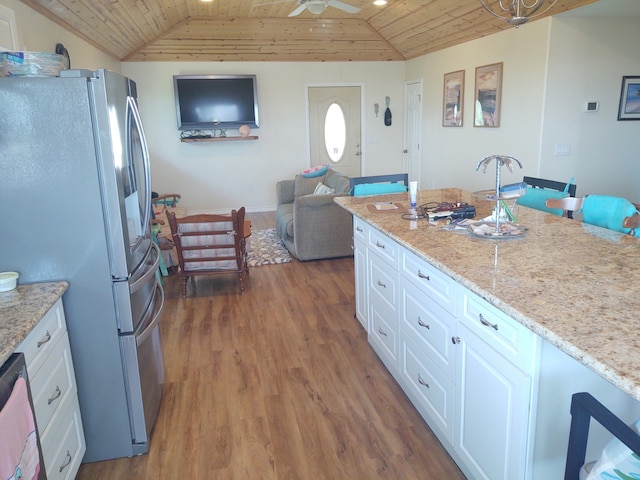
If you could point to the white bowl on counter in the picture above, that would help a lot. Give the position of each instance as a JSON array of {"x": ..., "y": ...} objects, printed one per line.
[{"x": 8, "y": 281}]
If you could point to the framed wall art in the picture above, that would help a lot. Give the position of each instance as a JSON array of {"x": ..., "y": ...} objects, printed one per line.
[
  {"x": 488, "y": 95},
  {"x": 453, "y": 99},
  {"x": 630, "y": 99}
]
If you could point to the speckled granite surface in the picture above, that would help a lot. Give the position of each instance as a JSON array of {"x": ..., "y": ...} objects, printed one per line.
[
  {"x": 573, "y": 284},
  {"x": 21, "y": 309}
]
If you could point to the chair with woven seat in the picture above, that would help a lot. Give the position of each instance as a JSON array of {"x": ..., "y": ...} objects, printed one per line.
[
  {"x": 210, "y": 244},
  {"x": 614, "y": 213}
]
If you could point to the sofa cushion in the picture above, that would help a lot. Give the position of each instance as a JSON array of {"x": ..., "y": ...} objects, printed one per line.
[
  {"x": 322, "y": 189},
  {"x": 284, "y": 220},
  {"x": 316, "y": 171},
  {"x": 306, "y": 186},
  {"x": 339, "y": 182}
]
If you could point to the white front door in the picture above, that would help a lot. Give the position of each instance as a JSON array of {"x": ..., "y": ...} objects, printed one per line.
[
  {"x": 335, "y": 133},
  {"x": 412, "y": 136}
]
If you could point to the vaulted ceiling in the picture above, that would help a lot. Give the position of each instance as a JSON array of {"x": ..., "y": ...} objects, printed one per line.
[{"x": 260, "y": 30}]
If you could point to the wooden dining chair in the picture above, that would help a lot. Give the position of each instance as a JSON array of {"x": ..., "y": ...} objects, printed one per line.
[
  {"x": 210, "y": 244},
  {"x": 614, "y": 213}
]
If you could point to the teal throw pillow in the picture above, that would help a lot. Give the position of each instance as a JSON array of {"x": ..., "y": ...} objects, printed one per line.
[{"x": 316, "y": 171}]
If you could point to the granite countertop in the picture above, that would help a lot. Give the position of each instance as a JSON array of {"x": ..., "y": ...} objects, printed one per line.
[
  {"x": 21, "y": 309},
  {"x": 571, "y": 283}
]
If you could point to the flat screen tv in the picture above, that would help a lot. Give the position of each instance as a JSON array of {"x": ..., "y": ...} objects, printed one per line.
[{"x": 208, "y": 102}]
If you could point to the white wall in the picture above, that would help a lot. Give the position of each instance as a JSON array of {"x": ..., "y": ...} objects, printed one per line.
[
  {"x": 39, "y": 34},
  {"x": 587, "y": 60},
  {"x": 552, "y": 67},
  {"x": 218, "y": 176},
  {"x": 450, "y": 154}
]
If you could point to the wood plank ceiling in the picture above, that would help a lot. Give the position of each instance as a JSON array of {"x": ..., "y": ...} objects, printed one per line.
[{"x": 259, "y": 30}]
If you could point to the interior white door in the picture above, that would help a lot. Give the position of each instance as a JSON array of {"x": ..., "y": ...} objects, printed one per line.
[
  {"x": 335, "y": 131},
  {"x": 8, "y": 30},
  {"x": 413, "y": 122}
]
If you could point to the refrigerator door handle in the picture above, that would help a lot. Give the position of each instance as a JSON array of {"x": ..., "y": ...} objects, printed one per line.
[
  {"x": 149, "y": 329},
  {"x": 146, "y": 161},
  {"x": 152, "y": 271}
]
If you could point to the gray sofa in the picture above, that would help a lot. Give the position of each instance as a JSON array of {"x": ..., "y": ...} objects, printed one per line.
[{"x": 312, "y": 226}]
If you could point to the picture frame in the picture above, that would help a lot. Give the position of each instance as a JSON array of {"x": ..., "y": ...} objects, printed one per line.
[
  {"x": 453, "y": 99},
  {"x": 488, "y": 96},
  {"x": 629, "y": 108}
]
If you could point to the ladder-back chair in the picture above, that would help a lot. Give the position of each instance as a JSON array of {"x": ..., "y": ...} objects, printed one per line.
[{"x": 210, "y": 244}]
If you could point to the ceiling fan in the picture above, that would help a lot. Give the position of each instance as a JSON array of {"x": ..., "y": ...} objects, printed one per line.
[{"x": 318, "y": 6}]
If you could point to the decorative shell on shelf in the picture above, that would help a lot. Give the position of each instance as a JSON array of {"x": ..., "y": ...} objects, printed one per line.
[{"x": 244, "y": 130}]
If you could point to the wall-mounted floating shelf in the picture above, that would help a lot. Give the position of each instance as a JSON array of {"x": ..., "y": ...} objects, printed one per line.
[{"x": 218, "y": 139}]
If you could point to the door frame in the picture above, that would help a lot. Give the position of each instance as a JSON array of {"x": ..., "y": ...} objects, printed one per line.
[
  {"x": 362, "y": 121},
  {"x": 408, "y": 128}
]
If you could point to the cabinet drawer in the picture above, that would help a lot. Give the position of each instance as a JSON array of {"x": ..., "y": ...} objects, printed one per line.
[
  {"x": 432, "y": 393},
  {"x": 383, "y": 283},
  {"x": 384, "y": 247},
  {"x": 429, "y": 325},
  {"x": 509, "y": 338},
  {"x": 38, "y": 344},
  {"x": 383, "y": 336},
  {"x": 63, "y": 446},
  {"x": 360, "y": 229},
  {"x": 430, "y": 280},
  {"x": 53, "y": 383}
]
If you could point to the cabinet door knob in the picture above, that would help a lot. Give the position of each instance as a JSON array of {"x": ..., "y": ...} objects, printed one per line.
[
  {"x": 382, "y": 332},
  {"x": 381, "y": 284},
  {"x": 422, "y": 275},
  {"x": 379, "y": 245},
  {"x": 455, "y": 340}
]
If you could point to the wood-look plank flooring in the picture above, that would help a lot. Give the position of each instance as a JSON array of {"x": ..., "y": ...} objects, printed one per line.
[{"x": 278, "y": 383}]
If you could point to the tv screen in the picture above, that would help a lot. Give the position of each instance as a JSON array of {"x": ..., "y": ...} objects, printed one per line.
[{"x": 207, "y": 102}]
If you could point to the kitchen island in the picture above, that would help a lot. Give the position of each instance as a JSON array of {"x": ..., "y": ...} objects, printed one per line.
[{"x": 570, "y": 284}]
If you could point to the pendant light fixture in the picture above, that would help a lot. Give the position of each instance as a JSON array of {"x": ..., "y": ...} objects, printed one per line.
[{"x": 516, "y": 12}]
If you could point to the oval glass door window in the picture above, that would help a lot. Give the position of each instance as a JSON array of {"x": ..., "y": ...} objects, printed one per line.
[{"x": 335, "y": 132}]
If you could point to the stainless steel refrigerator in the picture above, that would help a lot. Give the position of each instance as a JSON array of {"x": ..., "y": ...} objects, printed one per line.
[{"x": 75, "y": 205}]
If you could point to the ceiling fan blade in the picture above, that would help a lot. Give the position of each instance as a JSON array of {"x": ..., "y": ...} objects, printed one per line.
[
  {"x": 343, "y": 6},
  {"x": 298, "y": 10}
]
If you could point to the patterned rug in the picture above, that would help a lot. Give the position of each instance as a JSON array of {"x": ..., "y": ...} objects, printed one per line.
[{"x": 264, "y": 247}]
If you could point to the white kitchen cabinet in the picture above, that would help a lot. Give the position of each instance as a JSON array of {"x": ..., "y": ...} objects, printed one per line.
[
  {"x": 360, "y": 256},
  {"x": 492, "y": 406},
  {"x": 54, "y": 392},
  {"x": 468, "y": 368}
]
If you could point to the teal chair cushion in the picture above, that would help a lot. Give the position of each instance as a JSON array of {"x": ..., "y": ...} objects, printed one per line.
[
  {"x": 377, "y": 189},
  {"x": 607, "y": 212},
  {"x": 537, "y": 198}
]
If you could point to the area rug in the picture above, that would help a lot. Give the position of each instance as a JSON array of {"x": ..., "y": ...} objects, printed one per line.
[{"x": 264, "y": 247}]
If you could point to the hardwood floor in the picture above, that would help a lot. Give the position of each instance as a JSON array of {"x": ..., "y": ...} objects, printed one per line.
[{"x": 279, "y": 383}]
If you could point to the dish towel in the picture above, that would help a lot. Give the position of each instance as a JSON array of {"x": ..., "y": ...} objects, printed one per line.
[{"x": 19, "y": 455}]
